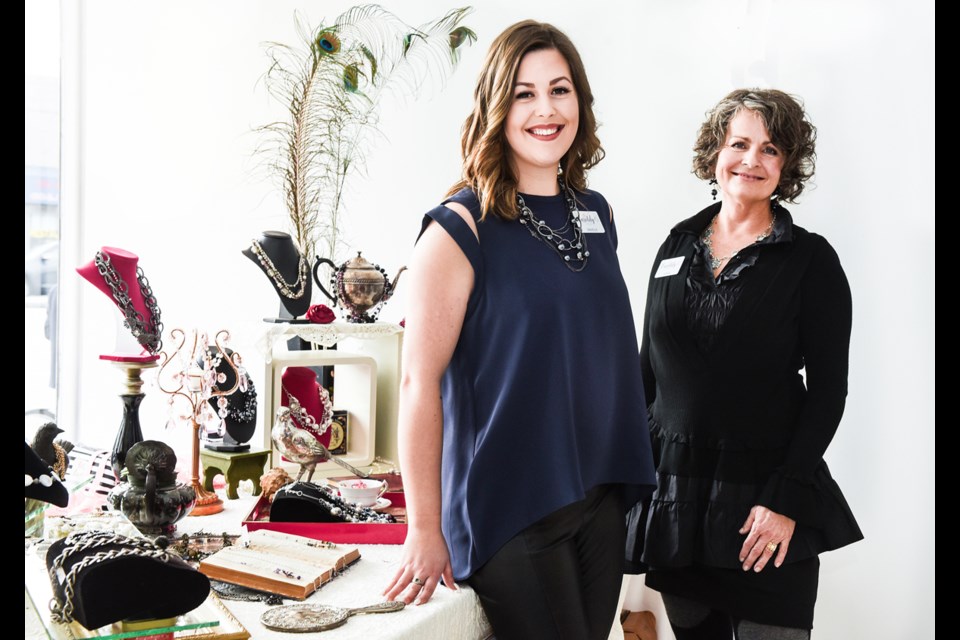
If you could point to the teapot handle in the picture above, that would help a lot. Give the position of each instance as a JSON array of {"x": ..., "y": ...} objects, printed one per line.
[
  {"x": 316, "y": 276},
  {"x": 150, "y": 490}
]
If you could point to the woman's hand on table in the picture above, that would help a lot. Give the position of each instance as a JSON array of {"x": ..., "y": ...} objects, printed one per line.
[{"x": 424, "y": 561}]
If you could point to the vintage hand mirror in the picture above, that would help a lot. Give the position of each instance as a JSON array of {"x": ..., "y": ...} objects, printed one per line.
[{"x": 307, "y": 618}]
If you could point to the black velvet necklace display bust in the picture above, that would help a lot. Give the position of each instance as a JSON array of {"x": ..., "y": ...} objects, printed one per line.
[
  {"x": 51, "y": 490},
  {"x": 241, "y": 419},
  {"x": 280, "y": 250}
]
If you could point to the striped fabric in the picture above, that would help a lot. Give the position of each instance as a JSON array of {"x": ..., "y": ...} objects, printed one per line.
[{"x": 87, "y": 461}]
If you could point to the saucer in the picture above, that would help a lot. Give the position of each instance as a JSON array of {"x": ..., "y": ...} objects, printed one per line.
[{"x": 382, "y": 503}]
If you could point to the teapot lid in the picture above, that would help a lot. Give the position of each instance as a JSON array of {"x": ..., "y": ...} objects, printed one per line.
[
  {"x": 358, "y": 263},
  {"x": 153, "y": 453}
]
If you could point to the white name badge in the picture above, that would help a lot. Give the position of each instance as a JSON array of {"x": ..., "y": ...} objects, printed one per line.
[
  {"x": 590, "y": 222},
  {"x": 669, "y": 267}
]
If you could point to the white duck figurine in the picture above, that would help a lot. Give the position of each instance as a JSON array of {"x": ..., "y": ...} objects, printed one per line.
[{"x": 299, "y": 445}]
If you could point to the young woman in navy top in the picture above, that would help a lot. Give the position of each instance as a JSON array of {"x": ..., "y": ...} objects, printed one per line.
[{"x": 522, "y": 429}]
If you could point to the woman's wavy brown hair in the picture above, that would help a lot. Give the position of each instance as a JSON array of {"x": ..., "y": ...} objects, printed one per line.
[
  {"x": 486, "y": 160},
  {"x": 790, "y": 131}
]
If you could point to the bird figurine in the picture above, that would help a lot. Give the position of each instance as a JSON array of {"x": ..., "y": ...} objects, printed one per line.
[
  {"x": 300, "y": 446},
  {"x": 48, "y": 450}
]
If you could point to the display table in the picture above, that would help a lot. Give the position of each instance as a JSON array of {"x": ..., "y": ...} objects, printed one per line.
[
  {"x": 449, "y": 614},
  {"x": 235, "y": 466}
]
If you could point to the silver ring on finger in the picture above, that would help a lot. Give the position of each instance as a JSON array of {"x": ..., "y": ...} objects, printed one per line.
[{"x": 417, "y": 581}]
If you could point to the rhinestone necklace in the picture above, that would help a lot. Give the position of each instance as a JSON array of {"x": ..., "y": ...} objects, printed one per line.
[
  {"x": 568, "y": 241},
  {"x": 707, "y": 239},
  {"x": 147, "y": 334},
  {"x": 303, "y": 416},
  {"x": 294, "y": 290}
]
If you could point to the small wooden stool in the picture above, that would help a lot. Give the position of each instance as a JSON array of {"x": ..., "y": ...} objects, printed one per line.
[{"x": 235, "y": 466}]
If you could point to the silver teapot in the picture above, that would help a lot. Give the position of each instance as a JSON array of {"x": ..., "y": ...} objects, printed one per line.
[{"x": 360, "y": 287}]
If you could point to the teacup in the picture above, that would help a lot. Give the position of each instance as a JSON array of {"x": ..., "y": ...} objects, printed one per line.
[{"x": 365, "y": 493}]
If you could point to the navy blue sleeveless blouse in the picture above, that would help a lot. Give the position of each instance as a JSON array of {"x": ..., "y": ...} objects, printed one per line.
[{"x": 543, "y": 398}]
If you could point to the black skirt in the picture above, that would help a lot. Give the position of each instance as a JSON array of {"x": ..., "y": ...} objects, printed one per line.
[{"x": 783, "y": 596}]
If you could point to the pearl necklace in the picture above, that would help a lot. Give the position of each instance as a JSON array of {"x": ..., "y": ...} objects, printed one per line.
[
  {"x": 294, "y": 290},
  {"x": 572, "y": 251},
  {"x": 334, "y": 504},
  {"x": 707, "y": 239}
]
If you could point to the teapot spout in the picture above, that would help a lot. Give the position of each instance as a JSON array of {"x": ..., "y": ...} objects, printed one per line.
[{"x": 393, "y": 285}]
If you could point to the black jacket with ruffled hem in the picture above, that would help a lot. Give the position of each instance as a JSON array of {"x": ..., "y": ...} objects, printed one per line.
[{"x": 734, "y": 422}]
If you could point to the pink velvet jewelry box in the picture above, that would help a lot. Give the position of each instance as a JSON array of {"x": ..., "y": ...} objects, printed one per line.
[{"x": 347, "y": 532}]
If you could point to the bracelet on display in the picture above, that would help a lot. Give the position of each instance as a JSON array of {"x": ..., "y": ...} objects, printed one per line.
[{"x": 143, "y": 580}]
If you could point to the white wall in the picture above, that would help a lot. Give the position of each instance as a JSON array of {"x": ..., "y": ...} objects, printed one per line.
[{"x": 163, "y": 99}]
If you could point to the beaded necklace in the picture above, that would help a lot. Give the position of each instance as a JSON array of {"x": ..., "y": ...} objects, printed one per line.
[
  {"x": 294, "y": 290},
  {"x": 568, "y": 241},
  {"x": 334, "y": 504},
  {"x": 147, "y": 334}
]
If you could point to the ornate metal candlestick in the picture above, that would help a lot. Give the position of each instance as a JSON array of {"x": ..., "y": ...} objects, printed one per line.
[{"x": 194, "y": 378}]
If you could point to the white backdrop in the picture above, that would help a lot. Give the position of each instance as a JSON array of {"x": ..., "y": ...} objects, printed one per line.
[{"x": 159, "y": 106}]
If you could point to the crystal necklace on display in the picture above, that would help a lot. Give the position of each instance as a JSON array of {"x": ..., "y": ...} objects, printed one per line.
[
  {"x": 303, "y": 416},
  {"x": 568, "y": 241},
  {"x": 294, "y": 290},
  {"x": 147, "y": 334},
  {"x": 707, "y": 239}
]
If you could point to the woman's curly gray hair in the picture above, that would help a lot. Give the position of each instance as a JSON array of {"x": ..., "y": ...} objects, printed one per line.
[{"x": 789, "y": 129}]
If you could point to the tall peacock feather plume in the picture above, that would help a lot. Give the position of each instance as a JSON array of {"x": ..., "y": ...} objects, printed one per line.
[{"x": 332, "y": 88}]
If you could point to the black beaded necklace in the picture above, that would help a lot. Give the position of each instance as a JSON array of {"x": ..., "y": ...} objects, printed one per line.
[
  {"x": 568, "y": 241},
  {"x": 333, "y": 504}
]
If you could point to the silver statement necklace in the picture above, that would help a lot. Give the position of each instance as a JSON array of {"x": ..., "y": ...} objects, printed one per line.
[
  {"x": 147, "y": 333},
  {"x": 303, "y": 416},
  {"x": 294, "y": 290},
  {"x": 707, "y": 239},
  {"x": 568, "y": 241}
]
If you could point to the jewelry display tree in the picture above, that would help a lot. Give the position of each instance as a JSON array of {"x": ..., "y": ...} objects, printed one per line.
[{"x": 190, "y": 373}]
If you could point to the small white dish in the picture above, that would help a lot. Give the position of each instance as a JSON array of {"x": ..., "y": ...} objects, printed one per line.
[{"x": 382, "y": 503}]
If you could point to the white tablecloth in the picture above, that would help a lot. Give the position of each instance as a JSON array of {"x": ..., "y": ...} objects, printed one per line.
[{"x": 450, "y": 615}]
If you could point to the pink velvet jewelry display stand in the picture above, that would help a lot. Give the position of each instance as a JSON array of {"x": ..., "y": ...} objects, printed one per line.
[
  {"x": 303, "y": 384},
  {"x": 129, "y": 355}
]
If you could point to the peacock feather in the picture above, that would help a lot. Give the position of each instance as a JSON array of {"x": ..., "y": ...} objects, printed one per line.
[{"x": 332, "y": 85}]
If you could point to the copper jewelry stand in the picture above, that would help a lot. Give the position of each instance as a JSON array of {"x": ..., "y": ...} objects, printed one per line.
[{"x": 197, "y": 383}]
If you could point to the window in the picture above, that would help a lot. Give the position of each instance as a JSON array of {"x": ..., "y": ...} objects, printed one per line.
[{"x": 41, "y": 216}]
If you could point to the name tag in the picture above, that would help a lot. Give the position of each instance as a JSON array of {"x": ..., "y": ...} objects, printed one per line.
[
  {"x": 590, "y": 222},
  {"x": 669, "y": 267}
]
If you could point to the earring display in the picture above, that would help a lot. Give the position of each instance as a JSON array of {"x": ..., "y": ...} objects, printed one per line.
[
  {"x": 286, "y": 268},
  {"x": 290, "y": 565},
  {"x": 234, "y": 416}
]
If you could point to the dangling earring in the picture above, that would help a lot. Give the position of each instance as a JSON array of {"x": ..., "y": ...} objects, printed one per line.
[
  {"x": 713, "y": 191},
  {"x": 559, "y": 168},
  {"x": 775, "y": 199}
]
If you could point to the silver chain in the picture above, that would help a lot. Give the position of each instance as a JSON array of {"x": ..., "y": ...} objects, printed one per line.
[
  {"x": 572, "y": 251},
  {"x": 707, "y": 239},
  {"x": 293, "y": 291},
  {"x": 82, "y": 541},
  {"x": 147, "y": 334}
]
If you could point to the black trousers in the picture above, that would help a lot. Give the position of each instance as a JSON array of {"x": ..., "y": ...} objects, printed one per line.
[{"x": 560, "y": 578}]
